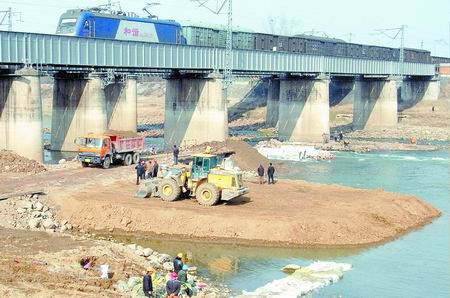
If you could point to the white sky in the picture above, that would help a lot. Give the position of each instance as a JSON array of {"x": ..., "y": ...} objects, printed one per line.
[{"x": 427, "y": 21}]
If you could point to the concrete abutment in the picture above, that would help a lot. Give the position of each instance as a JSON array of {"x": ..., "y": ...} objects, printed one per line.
[
  {"x": 195, "y": 111},
  {"x": 122, "y": 105},
  {"x": 304, "y": 109},
  {"x": 79, "y": 107},
  {"x": 273, "y": 103},
  {"x": 375, "y": 103},
  {"x": 21, "y": 114}
]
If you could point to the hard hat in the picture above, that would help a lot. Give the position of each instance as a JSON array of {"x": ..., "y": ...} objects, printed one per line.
[{"x": 180, "y": 255}]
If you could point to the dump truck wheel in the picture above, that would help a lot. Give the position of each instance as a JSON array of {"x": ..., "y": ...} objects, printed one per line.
[
  {"x": 169, "y": 190},
  {"x": 136, "y": 158},
  {"x": 207, "y": 194},
  {"x": 106, "y": 163},
  {"x": 128, "y": 159},
  {"x": 84, "y": 164}
]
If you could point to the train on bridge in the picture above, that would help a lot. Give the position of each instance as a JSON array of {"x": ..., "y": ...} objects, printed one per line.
[{"x": 100, "y": 23}]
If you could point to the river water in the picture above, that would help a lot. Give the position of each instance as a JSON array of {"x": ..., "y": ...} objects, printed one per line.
[{"x": 415, "y": 265}]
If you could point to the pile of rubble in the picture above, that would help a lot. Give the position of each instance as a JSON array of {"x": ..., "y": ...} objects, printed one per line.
[
  {"x": 11, "y": 162},
  {"x": 163, "y": 264},
  {"x": 30, "y": 212}
]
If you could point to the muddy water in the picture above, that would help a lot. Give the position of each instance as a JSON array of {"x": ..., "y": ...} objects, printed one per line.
[{"x": 416, "y": 265}]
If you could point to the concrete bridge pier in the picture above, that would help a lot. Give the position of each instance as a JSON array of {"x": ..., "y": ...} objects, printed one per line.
[
  {"x": 21, "y": 114},
  {"x": 79, "y": 107},
  {"x": 342, "y": 90},
  {"x": 273, "y": 101},
  {"x": 414, "y": 90},
  {"x": 375, "y": 103},
  {"x": 121, "y": 105},
  {"x": 195, "y": 111},
  {"x": 304, "y": 109}
]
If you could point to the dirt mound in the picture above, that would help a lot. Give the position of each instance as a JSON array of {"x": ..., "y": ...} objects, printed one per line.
[
  {"x": 11, "y": 162},
  {"x": 247, "y": 158}
]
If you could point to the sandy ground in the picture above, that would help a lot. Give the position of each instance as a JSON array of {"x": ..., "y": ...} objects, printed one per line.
[{"x": 293, "y": 213}]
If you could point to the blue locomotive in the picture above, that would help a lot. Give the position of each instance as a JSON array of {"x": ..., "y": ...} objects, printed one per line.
[{"x": 123, "y": 26}]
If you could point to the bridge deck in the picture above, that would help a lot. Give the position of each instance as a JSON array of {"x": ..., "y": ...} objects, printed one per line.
[{"x": 55, "y": 51}]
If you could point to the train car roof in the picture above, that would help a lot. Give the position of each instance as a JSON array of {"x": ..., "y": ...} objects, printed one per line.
[
  {"x": 197, "y": 24},
  {"x": 75, "y": 12},
  {"x": 319, "y": 38}
]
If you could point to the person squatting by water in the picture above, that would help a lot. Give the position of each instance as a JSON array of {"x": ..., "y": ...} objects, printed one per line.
[
  {"x": 260, "y": 171},
  {"x": 271, "y": 173},
  {"x": 178, "y": 263},
  {"x": 140, "y": 172},
  {"x": 147, "y": 283}
]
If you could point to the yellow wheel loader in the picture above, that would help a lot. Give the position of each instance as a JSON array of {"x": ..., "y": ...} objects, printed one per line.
[{"x": 205, "y": 180}]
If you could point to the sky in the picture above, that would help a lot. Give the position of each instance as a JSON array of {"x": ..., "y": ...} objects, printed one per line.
[{"x": 427, "y": 22}]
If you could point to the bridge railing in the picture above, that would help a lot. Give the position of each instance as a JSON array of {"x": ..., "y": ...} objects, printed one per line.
[{"x": 67, "y": 51}]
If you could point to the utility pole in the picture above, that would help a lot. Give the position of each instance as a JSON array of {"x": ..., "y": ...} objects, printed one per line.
[
  {"x": 393, "y": 33},
  {"x": 6, "y": 18},
  {"x": 217, "y": 9}
]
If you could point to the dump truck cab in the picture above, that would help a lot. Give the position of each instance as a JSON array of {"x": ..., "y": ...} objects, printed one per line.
[
  {"x": 94, "y": 149},
  {"x": 109, "y": 147}
]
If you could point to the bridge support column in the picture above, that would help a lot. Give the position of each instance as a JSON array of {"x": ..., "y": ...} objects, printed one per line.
[
  {"x": 416, "y": 90},
  {"x": 21, "y": 114},
  {"x": 375, "y": 104},
  {"x": 79, "y": 107},
  {"x": 304, "y": 109},
  {"x": 273, "y": 103},
  {"x": 196, "y": 111},
  {"x": 342, "y": 91},
  {"x": 122, "y": 105}
]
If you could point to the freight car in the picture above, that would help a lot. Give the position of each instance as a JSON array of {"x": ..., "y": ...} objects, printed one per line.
[{"x": 99, "y": 23}]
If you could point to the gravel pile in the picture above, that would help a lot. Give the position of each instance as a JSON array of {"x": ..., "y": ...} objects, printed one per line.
[{"x": 11, "y": 162}]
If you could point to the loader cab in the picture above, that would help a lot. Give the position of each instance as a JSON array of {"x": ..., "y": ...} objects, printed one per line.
[{"x": 202, "y": 164}]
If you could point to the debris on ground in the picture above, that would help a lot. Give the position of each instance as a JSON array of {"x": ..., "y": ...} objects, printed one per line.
[{"x": 11, "y": 162}]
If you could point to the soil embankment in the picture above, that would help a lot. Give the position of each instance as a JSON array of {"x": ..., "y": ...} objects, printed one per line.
[{"x": 288, "y": 213}]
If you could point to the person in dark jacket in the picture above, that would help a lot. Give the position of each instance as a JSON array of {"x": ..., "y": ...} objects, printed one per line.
[
  {"x": 175, "y": 152},
  {"x": 173, "y": 287},
  {"x": 178, "y": 263},
  {"x": 155, "y": 169},
  {"x": 270, "y": 173},
  {"x": 261, "y": 171},
  {"x": 140, "y": 172},
  {"x": 147, "y": 283}
]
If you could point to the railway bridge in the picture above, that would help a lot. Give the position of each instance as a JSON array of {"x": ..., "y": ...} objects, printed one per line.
[{"x": 95, "y": 88}]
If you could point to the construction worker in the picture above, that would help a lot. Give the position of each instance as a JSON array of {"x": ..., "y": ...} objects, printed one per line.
[
  {"x": 178, "y": 263},
  {"x": 140, "y": 172},
  {"x": 260, "y": 171},
  {"x": 208, "y": 150},
  {"x": 155, "y": 169},
  {"x": 175, "y": 152},
  {"x": 147, "y": 283},
  {"x": 270, "y": 173}
]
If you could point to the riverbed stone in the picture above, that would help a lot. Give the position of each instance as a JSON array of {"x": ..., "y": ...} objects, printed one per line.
[
  {"x": 147, "y": 252},
  {"x": 163, "y": 258},
  {"x": 48, "y": 224},
  {"x": 168, "y": 266},
  {"x": 21, "y": 210},
  {"x": 132, "y": 246},
  {"x": 39, "y": 206},
  {"x": 34, "y": 223}
]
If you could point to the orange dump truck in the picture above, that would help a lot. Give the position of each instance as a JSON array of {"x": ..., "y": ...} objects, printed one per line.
[{"x": 111, "y": 147}]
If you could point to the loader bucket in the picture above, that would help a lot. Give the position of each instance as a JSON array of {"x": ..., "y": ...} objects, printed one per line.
[{"x": 144, "y": 191}]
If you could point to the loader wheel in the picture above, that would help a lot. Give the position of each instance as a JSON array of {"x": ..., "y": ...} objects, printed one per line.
[
  {"x": 169, "y": 190},
  {"x": 128, "y": 160},
  {"x": 207, "y": 194},
  {"x": 136, "y": 157}
]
